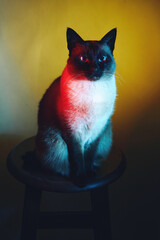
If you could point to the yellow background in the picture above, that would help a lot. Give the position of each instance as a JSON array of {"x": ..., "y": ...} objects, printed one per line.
[{"x": 33, "y": 52}]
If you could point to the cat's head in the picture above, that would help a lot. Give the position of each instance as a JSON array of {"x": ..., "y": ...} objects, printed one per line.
[{"x": 91, "y": 59}]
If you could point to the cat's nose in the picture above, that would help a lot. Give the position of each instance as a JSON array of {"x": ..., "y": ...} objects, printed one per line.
[
  {"x": 95, "y": 68},
  {"x": 97, "y": 71}
]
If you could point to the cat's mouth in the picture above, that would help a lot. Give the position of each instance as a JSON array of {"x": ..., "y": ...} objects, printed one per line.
[{"x": 94, "y": 77}]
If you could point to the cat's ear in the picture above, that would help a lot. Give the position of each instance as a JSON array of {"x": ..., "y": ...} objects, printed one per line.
[
  {"x": 110, "y": 38},
  {"x": 72, "y": 38}
]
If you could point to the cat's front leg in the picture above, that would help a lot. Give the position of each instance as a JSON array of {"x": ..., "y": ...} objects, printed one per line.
[
  {"x": 77, "y": 162},
  {"x": 89, "y": 158},
  {"x": 98, "y": 150}
]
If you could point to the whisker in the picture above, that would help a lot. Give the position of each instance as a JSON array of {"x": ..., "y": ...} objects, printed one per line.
[{"x": 120, "y": 78}]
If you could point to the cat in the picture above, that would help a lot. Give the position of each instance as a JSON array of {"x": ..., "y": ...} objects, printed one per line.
[{"x": 74, "y": 118}]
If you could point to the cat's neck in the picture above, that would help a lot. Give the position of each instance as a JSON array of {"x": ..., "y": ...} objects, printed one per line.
[{"x": 85, "y": 91}]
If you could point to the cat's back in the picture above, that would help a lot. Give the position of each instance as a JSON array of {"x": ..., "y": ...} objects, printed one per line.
[{"x": 47, "y": 107}]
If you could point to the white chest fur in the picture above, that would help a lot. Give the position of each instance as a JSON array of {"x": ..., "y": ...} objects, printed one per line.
[{"x": 86, "y": 105}]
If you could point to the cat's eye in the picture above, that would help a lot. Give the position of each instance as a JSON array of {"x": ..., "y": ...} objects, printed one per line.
[
  {"x": 102, "y": 59},
  {"x": 84, "y": 59}
]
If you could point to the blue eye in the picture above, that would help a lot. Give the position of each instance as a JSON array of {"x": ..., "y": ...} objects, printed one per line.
[{"x": 102, "y": 59}]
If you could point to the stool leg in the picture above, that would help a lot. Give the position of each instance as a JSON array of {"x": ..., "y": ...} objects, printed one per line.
[
  {"x": 30, "y": 213},
  {"x": 101, "y": 216}
]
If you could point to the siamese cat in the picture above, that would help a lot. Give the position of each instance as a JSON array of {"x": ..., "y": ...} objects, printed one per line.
[{"x": 74, "y": 118}]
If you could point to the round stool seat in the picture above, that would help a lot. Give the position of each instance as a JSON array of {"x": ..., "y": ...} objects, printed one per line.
[{"x": 24, "y": 166}]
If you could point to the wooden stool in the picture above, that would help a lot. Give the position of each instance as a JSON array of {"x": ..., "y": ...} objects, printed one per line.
[{"x": 23, "y": 165}]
